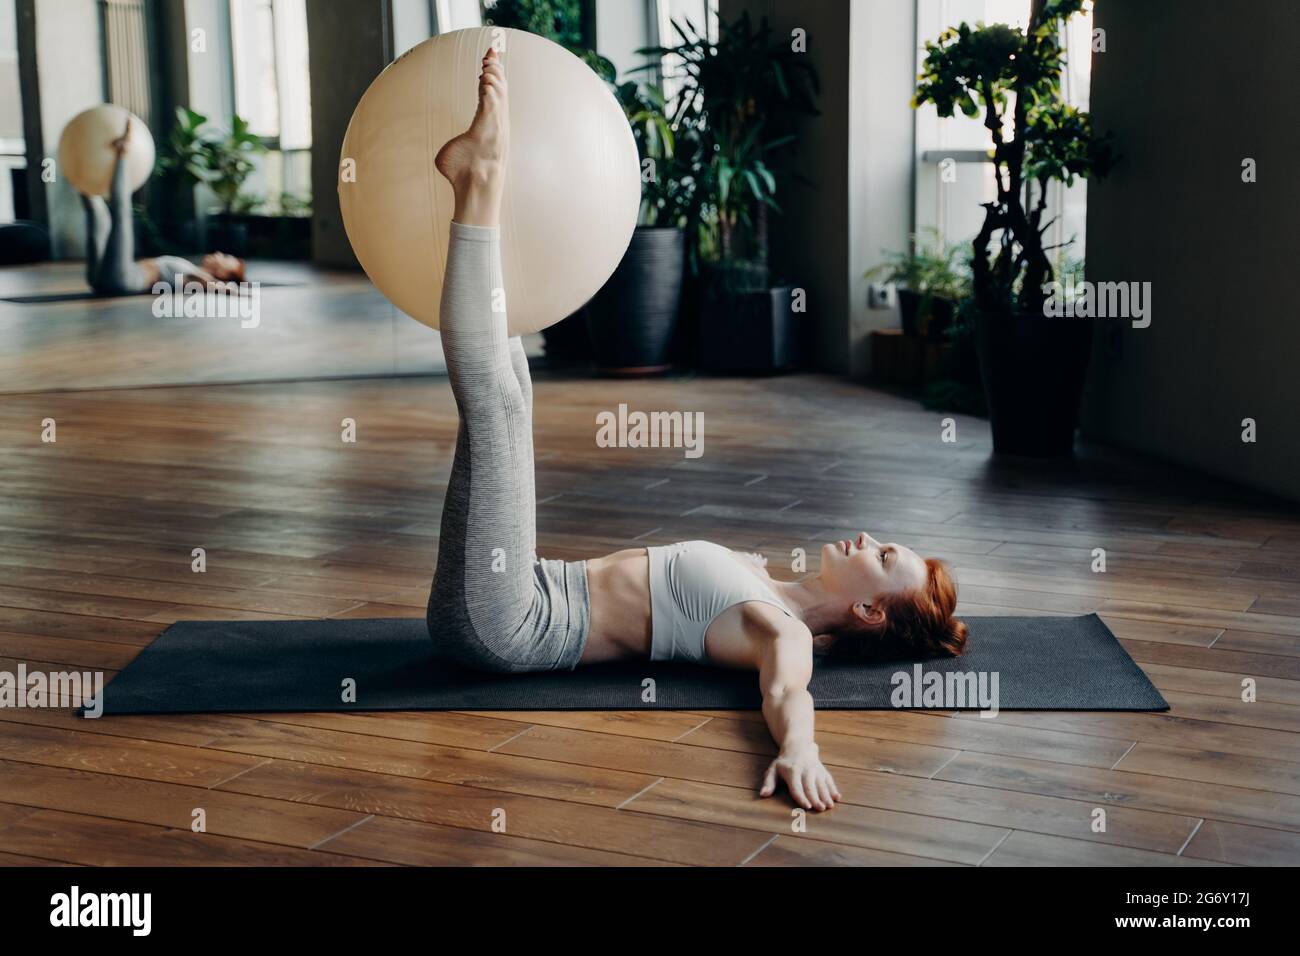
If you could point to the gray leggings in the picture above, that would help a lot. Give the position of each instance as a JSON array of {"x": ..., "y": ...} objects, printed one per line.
[
  {"x": 111, "y": 268},
  {"x": 494, "y": 605}
]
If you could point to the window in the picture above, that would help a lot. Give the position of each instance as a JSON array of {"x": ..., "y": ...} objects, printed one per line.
[
  {"x": 269, "y": 67},
  {"x": 457, "y": 14},
  {"x": 953, "y": 208},
  {"x": 701, "y": 15},
  {"x": 268, "y": 40}
]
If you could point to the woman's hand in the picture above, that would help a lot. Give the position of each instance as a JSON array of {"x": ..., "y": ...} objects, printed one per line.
[{"x": 810, "y": 783}]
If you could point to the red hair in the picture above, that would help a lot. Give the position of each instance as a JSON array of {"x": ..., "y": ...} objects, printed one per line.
[{"x": 918, "y": 623}]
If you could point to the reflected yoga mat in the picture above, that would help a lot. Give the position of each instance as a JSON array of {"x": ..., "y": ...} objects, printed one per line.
[
  {"x": 1041, "y": 663},
  {"x": 48, "y": 298}
]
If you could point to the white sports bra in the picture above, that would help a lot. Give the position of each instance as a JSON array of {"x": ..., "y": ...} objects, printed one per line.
[{"x": 691, "y": 583}]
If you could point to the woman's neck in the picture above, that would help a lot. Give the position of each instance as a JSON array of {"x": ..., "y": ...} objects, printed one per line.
[{"x": 812, "y": 603}]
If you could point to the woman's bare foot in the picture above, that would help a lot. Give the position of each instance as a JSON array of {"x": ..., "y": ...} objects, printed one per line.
[
  {"x": 475, "y": 161},
  {"x": 119, "y": 144}
]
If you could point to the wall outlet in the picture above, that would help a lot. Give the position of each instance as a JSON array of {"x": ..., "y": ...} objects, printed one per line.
[{"x": 881, "y": 295}]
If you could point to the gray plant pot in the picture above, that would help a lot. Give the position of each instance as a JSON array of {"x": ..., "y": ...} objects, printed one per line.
[
  {"x": 632, "y": 318},
  {"x": 748, "y": 331}
]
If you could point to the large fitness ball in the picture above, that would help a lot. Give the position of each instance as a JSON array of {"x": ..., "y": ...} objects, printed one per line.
[
  {"x": 572, "y": 189},
  {"x": 86, "y": 154}
]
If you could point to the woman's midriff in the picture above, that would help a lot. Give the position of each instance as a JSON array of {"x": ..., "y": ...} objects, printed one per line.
[{"x": 619, "y": 589}]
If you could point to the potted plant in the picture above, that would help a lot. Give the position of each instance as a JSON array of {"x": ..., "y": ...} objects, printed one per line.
[
  {"x": 229, "y": 157},
  {"x": 741, "y": 94},
  {"x": 180, "y": 164},
  {"x": 932, "y": 278},
  {"x": 957, "y": 385},
  {"x": 220, "y": 160},
  {"x": 632, "y": 319},
  {"x": 268, "y": 228},
  {"x": 1032, "y": 366}
]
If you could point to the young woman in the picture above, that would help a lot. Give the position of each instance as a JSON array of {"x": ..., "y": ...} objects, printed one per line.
[
  {"x": 496, "y": 606},
  {"x": 111, "y": 268}
]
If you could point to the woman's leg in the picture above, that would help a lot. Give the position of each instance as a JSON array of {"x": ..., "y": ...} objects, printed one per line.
[
  {"x": 118, "y": 271},
  {"x": 97, "y": 227},
  {"x": 528, "y": 505},
  {"x": 493, "y": 605},
  {"x": 485, "y": 573}
]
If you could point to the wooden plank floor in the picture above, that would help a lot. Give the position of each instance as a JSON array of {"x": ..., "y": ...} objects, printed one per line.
[{"x": 97, "y": 531}]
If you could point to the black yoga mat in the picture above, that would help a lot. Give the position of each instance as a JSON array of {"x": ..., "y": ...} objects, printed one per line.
[
  {"x": 47, "y": 298},
  {"x": 1043, "y": 663}
]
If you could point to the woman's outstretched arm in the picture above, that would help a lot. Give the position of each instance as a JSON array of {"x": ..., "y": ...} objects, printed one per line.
[{"x": 784, "y": 672}]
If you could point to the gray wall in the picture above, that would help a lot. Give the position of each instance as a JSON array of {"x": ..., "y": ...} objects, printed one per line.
[
  {"x": 810, "y": 239},
  {"x": 349, "y": 45},
  {"x": 882, "y": 131},
  {"x": 1190, "y": 88},
  {"x": 622, "y": 28},
  {"x": 169, "y": 204},
  {"x": 857, "y": 158}
]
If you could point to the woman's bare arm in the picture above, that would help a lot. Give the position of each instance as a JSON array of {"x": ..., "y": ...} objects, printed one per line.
[{"x": 784, "y": 672}]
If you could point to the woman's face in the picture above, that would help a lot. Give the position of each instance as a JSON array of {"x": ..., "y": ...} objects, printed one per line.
[
  {"x": 862, "y": 568},
  {"x": 222, "y": 266}
]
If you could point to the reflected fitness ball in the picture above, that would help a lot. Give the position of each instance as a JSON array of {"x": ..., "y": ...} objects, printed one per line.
[
  {"x": 86, "y": 154},
  {"x": 572, "y": 184}
]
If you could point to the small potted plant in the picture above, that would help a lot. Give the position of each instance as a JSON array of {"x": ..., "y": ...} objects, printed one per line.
[
  {"x": 230, "y": 163},
  {"x": 1032, "y": 366},
  {"x": 222, "y": 160},
  {"x": 742, "y": 95},
  {"x": 932, "y": 278},
  {"x": 632, "y": 319}
]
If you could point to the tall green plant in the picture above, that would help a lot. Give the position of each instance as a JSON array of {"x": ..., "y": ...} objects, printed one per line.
[
  {"x": 1006, "y": 74},
  {"x": 742, "y": 96},
  {"x": 670, "y": 156},
  {"x": 931, "y": 268},
  {"x": 230, "y": 161},
  {"x": 557, "y": 20},
  {"x": 220, "y": 159},
  {"x": 181, "y": 154}
]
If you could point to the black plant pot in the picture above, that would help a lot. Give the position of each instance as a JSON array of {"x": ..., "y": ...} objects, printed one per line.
[
  {"x": 908, "y": 302},
  {"x": 1033, "y": 369},
  {"x": 632, "y": 318},
  {"x": 567, "y": 341},
  {"x": 747, "y": 331},
  {"x": 929, "y": 322},
  {"x": 259, "y": 236},
  {"x": 228, "y": 233}
]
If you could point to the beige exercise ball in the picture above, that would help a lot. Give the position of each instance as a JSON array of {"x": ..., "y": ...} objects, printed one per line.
[
  {"x": 86, "y": 149},
  {"x": 572, "y": 184}
]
